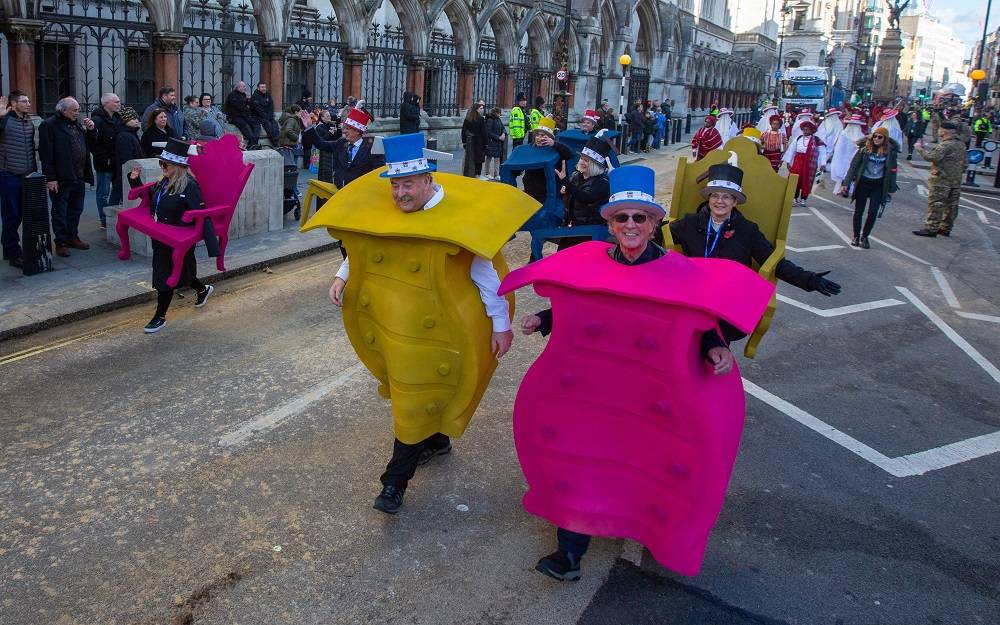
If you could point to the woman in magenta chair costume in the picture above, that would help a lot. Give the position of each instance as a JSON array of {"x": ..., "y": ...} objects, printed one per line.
[{"x": 629, "y": 422}]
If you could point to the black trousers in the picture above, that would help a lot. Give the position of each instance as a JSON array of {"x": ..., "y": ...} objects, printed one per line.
[
  {"x": 163, "y": 298},
  {"x": 868, "y": 192},
  {"x": 270, "y": 128},
  {"x": 403, "y": 464},
  {"x": 249, "y": 128}
]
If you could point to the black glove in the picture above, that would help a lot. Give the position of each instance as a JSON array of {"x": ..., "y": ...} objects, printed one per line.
[{"x": 818, "y": 283}]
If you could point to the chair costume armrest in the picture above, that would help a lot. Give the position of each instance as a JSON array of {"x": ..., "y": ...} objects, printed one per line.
[
  {"x": 767, "y": 270},
  {"x": 202, "y": 213},
  {"x": 136, "y": 191}
]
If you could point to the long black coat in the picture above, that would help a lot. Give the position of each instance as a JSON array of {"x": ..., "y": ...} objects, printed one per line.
[
  {"x": 326, "y": 157},
  {"x": 55, "y": 149},
  {"x": 127, "y": 148},
  {"x": 475, "y": 139},
  {"x": 584, "y": 199},
  {"x": 262, "y": 105},
  {"x": 237, "y": 105},
  {"x": 494, "y": 130},
  {"x": 105, "y": 129},
  {"x": 409, "y": 114},
  {"x": 168, "y": 209}
]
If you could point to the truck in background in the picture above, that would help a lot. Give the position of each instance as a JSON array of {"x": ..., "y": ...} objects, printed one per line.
[{"x": 806, "y": 87}]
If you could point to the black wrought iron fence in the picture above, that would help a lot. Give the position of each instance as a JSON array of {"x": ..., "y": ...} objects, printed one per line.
[
  {"x": 384, "y": 70},
  {"x": 488, "y": 73},
  {"x": 315, "y": 60},
  {"x": 526, "y": 75},
  {"x": 91, "y": 47},
  {"x": 441, "y": 77},
  {"x": 223, "y": 48}
]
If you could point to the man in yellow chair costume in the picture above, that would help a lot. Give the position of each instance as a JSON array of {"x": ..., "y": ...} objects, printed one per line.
[{"x": 419, "y": 294}]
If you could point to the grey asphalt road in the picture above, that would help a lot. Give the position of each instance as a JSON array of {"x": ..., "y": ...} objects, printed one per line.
[{"x": 223, "y": 470}]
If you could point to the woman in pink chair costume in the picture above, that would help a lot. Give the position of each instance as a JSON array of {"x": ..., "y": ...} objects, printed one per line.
[{"x": 629, "y": 422}]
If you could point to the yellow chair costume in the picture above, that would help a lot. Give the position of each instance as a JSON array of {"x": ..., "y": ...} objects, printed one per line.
[
  {"x": 769, "y": 205},
  {"x": 411, "y": 311}
]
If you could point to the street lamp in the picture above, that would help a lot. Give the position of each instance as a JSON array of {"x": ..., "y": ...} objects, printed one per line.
[{"x": 625, "y": 61}]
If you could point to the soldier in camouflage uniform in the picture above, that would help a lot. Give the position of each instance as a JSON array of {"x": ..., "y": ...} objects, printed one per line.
[{"x": 948, "y": 163}]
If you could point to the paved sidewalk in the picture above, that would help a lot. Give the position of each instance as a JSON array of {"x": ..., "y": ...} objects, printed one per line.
[{"x": 95, "y": 281}]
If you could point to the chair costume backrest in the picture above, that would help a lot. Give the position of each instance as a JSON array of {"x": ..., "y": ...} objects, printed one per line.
[
  {"x": 221, "y": 174},
  {"x": 769, "y": 195}
]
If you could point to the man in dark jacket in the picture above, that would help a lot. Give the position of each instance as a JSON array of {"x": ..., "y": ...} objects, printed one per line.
[
  {"x": 353, "y": 156},
  {"x": 237, "y": 110},
  {"x": 262, "y": 106},
  {"x": 409, "y": 113},
  {"x": 62, "y": 148},
  {"x": 17, "y": 159},
  {"x": 167, "y": 100},
  {"x": 106, "y": 125}
]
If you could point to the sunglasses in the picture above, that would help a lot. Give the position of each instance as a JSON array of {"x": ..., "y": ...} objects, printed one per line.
[{"x": 638, "y": 218}]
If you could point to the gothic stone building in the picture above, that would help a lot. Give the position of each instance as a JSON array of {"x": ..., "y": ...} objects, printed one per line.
[{"x": 450, "y": 51}]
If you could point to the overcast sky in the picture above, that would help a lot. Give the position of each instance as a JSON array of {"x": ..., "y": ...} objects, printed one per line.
[{"x": 966, "y": 18}]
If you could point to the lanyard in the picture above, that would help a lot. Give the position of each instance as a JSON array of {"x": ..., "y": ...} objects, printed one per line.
[
  {"x": 715, "y": 241},
  {"x": 159, "y": 194}
]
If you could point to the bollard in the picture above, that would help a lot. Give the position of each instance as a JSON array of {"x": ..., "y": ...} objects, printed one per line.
[
  {"x": 622, "y": 139},
  {"x": 668, "y": 135},
  {"x": 687, "y": 127}
]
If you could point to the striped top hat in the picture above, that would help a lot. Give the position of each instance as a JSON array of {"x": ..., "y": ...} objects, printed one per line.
[
  {"x": 406, "y": 155},
  {"x": 597, "y": 150},
  {"x": 857, "y": 120},
  {"x": 176, "y": 151},
  {"x": 591, "y": 114},
  {"x": 632, "y": 186},
  {"x": 726, "y": 177},
  {"x": 358, "y": 120}
]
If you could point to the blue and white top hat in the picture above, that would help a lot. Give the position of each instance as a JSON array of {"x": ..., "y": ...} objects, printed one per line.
[
  {"x": 405, "y": 155},
  {"x": 632, "y": 186}
]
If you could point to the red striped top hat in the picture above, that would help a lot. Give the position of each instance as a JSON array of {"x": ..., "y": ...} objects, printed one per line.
[{"x": 358, "y": 119}]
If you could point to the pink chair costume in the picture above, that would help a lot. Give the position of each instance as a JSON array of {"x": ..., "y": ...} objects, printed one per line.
[{"x": 621, "y": 427}]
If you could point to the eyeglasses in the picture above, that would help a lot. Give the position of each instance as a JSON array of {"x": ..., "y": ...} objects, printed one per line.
[
  {"x": 164, "y": 164},
  {"x": 637, "y": 219}
]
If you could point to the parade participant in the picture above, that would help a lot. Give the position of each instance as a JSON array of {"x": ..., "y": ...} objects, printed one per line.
[
  {"x": 751, "y": 133},
  {"x": 805, "y": 156},
  {"x": 843, "y": 152},
  {"x": 626, "y": 302},
  {"x": 774, "y": 141},
  {"x": 589, "y": 121},
  {"x": 829, "y": 129},
  {"x": 586, "y": 190},
  {"x": 353, "y": 156},
  {"x": 516, "y": 124},
  {"x": 872, "y": 177},
  {"x": 804, "y": 116},
  {"x": 431, "y": 340},
  {"x": 544, "y": 137},
  {"x": 890, "y": 123},
  {"x": 764, "y": 123},
  {"x": 719, "y": 230},
  {"x": 706, "y": 139},
  {"x": 948, "y": 164},
  {"x": 726, "y": 126},
  {"x": 176, "y": 193}
]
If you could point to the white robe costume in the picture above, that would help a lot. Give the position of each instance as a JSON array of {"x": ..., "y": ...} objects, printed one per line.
[
  {"x": 797, "y": 126},
  {"x": 843, "y": 153},
  {"x": 726, "y": 127},
  {"x": 895, "y": 131},
  {"x": 829, "y": 130},
  {"x": 764, "y": 123}
]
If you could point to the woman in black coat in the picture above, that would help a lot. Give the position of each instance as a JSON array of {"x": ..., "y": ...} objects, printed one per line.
[
  {"x": 475, "y": 139},
  {"x": 872, "y": 179},
  {"x": 127, "y": 145},
  {"x": 586, "y": 190},
  {"x": 409, "y": 113},
  {"x": 174, "y": 194},
  {"x": 157, "y": 130},
  {"x": 719, "y": 230},
  {"x": 494, "y": 149},
  {"x": 326, "y": 130}
]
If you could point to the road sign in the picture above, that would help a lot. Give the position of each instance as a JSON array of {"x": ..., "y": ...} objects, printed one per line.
[
  {"x": 777, "y": 75},
  {"x": 562, "y": 74}
]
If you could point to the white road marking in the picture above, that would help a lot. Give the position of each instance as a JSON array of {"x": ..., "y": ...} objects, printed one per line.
[
  {"x": 896, "y": 249},
  {"x": 949, "y": 295},
  {"x": 962, "y": 344},
  {"x": 921, "y": 190},
  {"x": 815, "y": 248},
  {"x": 841, "y": 206},
  {"x": 836, "y": 230},
  {"x": 903, "y": 466},
  {"x": 978, "y": 205},
  {"x": 994, "y": 227},
  {"x": 841, "y": 310},
  {"x": 801, "y": 214},
  {"x": 978, "y": 317},
  {"x": 274, "y": 418}
]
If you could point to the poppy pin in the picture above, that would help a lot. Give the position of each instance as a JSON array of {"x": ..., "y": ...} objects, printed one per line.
[{"x": 728, "y": 234}]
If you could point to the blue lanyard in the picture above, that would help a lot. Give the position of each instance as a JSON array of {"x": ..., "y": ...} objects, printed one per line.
[
  {"x": 715, "y": 241},
  {"x": 156, "y": 205}
]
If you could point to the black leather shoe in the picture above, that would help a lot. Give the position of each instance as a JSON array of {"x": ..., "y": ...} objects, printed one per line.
[
  {"x": 865, "y": 244},
  {"x": 560, "y": 565},
  {"x": 924, "y": 232},
  {"x": 390, "y": 500},
  {"x": 427, "y": 454},
  {"x": 856, "y": 242}
]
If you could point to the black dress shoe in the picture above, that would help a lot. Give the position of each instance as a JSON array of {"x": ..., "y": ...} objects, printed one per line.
[
  {"x": 924, "y": 232},
  {"x": 856, "y": 242},
  {"x": 865, "y": 244},
  {"x": 390, "y": 500},
  {"x": 560, "y": 565}
]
